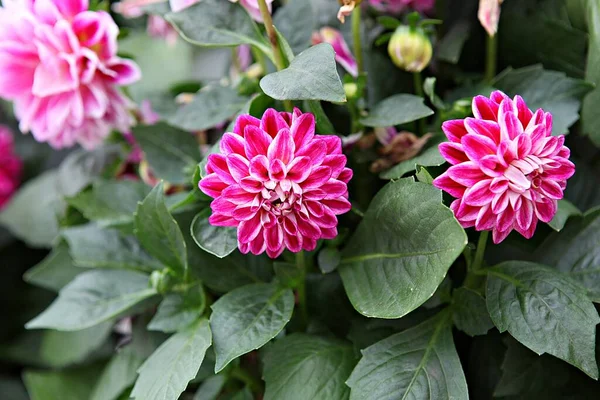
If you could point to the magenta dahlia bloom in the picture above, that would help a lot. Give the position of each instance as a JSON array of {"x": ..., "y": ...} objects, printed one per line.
[
  {"x": 399, "y": 6},
  {"x": 59, "y": 65},
  {"x": 278, "y": 183},
  {"x": 10, "y": 167},
  {"x": 508, "y": 171}
]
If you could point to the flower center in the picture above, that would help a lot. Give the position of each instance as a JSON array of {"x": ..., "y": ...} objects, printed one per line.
[
  {"x": 525, "y": 173},
  {"x": 281, "y": 198}
]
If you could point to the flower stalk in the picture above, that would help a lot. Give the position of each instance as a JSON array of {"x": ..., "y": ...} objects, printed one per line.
[
  {"x": 491, "y": 58},
  {"x": 301, "y": 290},
  {"x": 418, "y": 82},
  {"x": 356, "y": 19}
]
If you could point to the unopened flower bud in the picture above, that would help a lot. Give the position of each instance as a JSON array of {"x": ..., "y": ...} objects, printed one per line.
[
  {"x": 410, "y": 49},
  {"x": 162, "y": 280},
  {"x": 351, "y": 90}
]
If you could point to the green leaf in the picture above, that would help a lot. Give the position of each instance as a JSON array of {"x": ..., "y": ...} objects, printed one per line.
[
  {"x": 178, "y": 310},
  {"x": 61, "y": 385},
  {"x": 470, "y": 313},
  {"x": 210, "y": 388},
  {"x": 301, "y": 366},
  {"x": 419, "y": 363},
  {"x": 575, "y": 251},
  {"x": 216, "y": 23},
  {"x": 451, "y": 45},
  {"x": 288, "y": 274},
  {"x": 401, "y": 251},
  {"x": 550, "y": 90},
  {"x": 217, "y": 240},
  {"x": 429, "y": 89},
  {"x": 94, "y": 247},
  {"x": 397, "y": 110},
  {"x": 54, "y": 271},
  {"x": 110, "y": 203},
  {"x": 545, "y": 311},
  {"x": 329, "y": 259},
  {"x": 210, "y": 107},
  {"x": 172, "y": 153},
  {"x": 247, "y": 318},
  {"x": 165, "y": 375},
  {"x": 565, "y": 210},
  {"x": 92, "y": 298},
  {"x": 295, "y": 21},
  {"x": 158, "y": 232},
  {"x": 429, "y": 157},
  {"x": 388, "y": 22},
  {"x": 59, "y": 349},
  {"x": 312, "y": 75},
  {"x": 528, "y": 375},
  {"x": 322, "y": 122}
]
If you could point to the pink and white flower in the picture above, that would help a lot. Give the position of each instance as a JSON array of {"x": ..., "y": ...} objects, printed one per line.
[
  {"x": 278, "y": 183},
  {"x": 508, "y": 171},
  {"x": 10, "y": 167},
  {"x": 396, "y": 7},
  {"x": 158, "y": 27},
  {"x": 489, "y": 15},
  {"x": 343, "y": 55},
  {"x": 59, "y": 65}
]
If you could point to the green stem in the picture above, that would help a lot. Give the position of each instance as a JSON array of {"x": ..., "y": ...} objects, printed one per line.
[
  {"x": 254, "y": 384},
  {"x": 356, "y": 39},
  {"x": 478, "y": 260},
  {"x": 301, "y": 290},
  {"x": 491, "y": 58},
  {"x": 260, "y": 59},
  {"x": 418, "y": 82},
  {"x": 475, "y": 275}
]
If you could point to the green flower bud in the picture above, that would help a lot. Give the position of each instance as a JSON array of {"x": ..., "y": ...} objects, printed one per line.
[
  {"x": 162, "y": 280},
  {"x": 410, "y": 49},
  {"x": 351, "y": 90}
]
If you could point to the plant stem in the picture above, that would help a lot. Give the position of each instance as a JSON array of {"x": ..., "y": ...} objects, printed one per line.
[
  {"x": 272, "y": 34},
  {"x": 475, "y": 277},
  {"x": 478, "y": 260},
  {"x": 356, "y": 39},
  {"x": 491, "y": 58},
  {"x": 300, "y": 263},
  {"x": 254, "y": 384},
  {"x": 418, "y": 82}
]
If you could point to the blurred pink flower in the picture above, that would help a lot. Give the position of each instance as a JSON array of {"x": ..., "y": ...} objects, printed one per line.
[
  {"x": 343, "y": 55},
  {"x": 146, "y": 116},
  {"x": 10, "y": 167},
  {"x": 399, "y": 6},
  {"x": 278, "y": 183},
  {"x": 158, "y": 27},
  {"x": 507, "y": 169},
  {"x": 59, "y": 65},
  {"x": 250, "y": 5},
  {"x": 489, "y": 15},
  {"x": 132, "y": 8}
]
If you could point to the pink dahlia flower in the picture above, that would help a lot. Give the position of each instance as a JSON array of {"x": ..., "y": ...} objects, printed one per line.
[
  {"x": 278, "y": 183},
  {"x": 10, "y": 167},
  {"x": 58, "y": 64},
  {"x": 508, "y": 171},
  {"x": 399, "y": 6}
]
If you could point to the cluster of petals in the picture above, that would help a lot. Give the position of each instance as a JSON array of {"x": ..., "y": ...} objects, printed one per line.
[
  {"x": 489, "y": 15},
  {"x": 396, "y": 7},
  {"x": 343, "y": 55},
  {"x": 59, "y": 65},
  {"x": 278, "y": 182},
  {"x": 10, "y": 167},
  {"x": 508, "y": 171}
]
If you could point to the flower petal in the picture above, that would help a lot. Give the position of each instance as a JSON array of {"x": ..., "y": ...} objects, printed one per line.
[{"x": 282, "y": 147}]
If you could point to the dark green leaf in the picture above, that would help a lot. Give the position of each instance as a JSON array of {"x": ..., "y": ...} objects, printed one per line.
[
  {"x": 301, "y": 366},
  {"x": 217, "y": 240},
  {"x": 550, "y": 90},
  {"x": 419, "y": 363},
  {"x": 158, "y": 232},
  {"x": 210, "y": 107},
  {"x": 93, "y": 247},
  {"x": 397, "y": 257},
  {"x": 470, "y": 313},
  {"x": 172, "y": 153},
  {"x": 575, "y": 251},
  {"x": 165, "y": 375},
  {"x": 429, "y": 89},
  {"x": 92, "y": 298},
  {"x": 246, "y": 318},
  {"x": 178, "y": 310},
  {"x": 54, "y": 271},
  {"x": 397, "y": 110},
  {"x": 589, "y": 113},
  {"x": 312, "y": 75},
  {"x": 288, "y": 274},
  {"x": 216, "y": 23},
  {"x": 61, "y": 385},
  {"x": 545, "y": 311},
  {"x": 429, "y": 157},
  {"x": 329, "y": 259},
  {"x": 565, "y": 210},
  {"x": 451, "y": 45},
  {"x": 110, "y": 203},
  {"x": 210, "y": 388},
  {"x": 295, "y": 22}
]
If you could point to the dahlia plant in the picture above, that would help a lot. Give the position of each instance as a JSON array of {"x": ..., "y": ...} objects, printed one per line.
[{"x": 299, "y": 200}]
